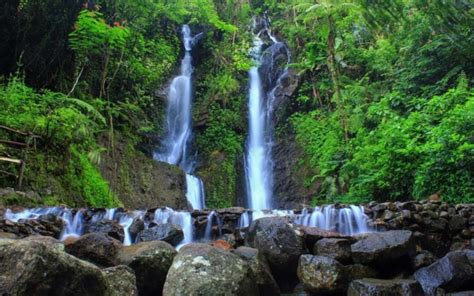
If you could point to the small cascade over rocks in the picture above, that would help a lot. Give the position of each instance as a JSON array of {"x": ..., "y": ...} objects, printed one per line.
[
  {"x": 175, "y": 145},
  {"x": 347, "y": 220}
]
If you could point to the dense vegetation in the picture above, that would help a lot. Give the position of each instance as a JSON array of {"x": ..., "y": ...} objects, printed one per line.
[
  {"x": 384, "y": 110},
  {"x": 386, "y": 107}
]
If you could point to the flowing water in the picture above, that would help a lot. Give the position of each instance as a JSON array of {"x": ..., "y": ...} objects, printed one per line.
[
  {"x": 175, "y": 146},
  {"x": 264, "y": 78},
  {"x": 258, "y": 159}
]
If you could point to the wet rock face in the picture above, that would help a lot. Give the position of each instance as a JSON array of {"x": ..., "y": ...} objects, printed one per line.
[
  {"x": 454, "y": 272},
  {"x": 200, "y": 269},
  {"x": 380, "y": 248},
  {"x": 97, "y": 248},
  {"x": 377, "y": 287},
  {"x": 108, "y": 227},
  {"x": 141, "y": 182},
  {"x": 37, "y": 268},
  {"x": 135, "y": 228},
  {"x": 322, "y": 275},
  {"x": 120, "y": 281},
  {"x": 170, "y": 233},
  {"x": 150, "y": 261},
  {"x": 279, "y": 241}
]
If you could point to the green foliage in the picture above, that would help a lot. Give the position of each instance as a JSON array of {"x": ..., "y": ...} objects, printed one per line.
[
  {"x": 94, "y": 188},
  {"x": 405, "y": 87},
  {"x": 92, "y": 35}
]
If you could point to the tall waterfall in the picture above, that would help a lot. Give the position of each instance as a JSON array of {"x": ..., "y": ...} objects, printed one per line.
[
  {"x": 258, "y": 160},
  {"x": 176, "y": 143}
]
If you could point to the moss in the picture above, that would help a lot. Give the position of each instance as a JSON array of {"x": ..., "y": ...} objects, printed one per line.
[
  {"x": 220, "y": 179},
  {"x": 95, "y": 188}
]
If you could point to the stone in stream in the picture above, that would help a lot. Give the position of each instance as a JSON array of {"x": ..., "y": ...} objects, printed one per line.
[
  {"x": 322, "y": 275},
  {"x": 454, "y": 272},
  {"x": 120, "y": 281},
  {"x": 109, "y": 227},
  {"x": 377, "y": 287},
  {"x": 150, "y": 261},
  {"x": 97, "y": 248},
  {"x": 135, "y": 228},
  {"x": 170, "y": 233},
  {"x": 200, "y": 269},
  {"x": 261, "y": 271},
  {"x": 30, "y": 267},
  {"x": 279, "y": 241},
  {"x": 338, "y": 249},
  {"x": 383, "y": 247}
]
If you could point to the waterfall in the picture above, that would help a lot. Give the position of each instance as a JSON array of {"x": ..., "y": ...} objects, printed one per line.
[
  {"x": 349, "y": 220},
  {"x": 183, "y": 219},
  {"x": 258, "y": 159},
  {"x": 210, "y": 223},
  {"x": 175, "y": 145},
  {"x": 74, "y": 224}
]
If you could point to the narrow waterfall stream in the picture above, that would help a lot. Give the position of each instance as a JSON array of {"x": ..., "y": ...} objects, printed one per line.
[
  {"x": 175, "y": 146},
  {"x": 258, "y": 159}
]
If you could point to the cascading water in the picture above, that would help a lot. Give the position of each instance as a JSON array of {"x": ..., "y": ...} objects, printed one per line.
[
  {"x": 178, "y": 123},
  {"x": 210, "y": 223},
  {"x": 258, "y": 161},
  {"x": 349, "y": 220}
]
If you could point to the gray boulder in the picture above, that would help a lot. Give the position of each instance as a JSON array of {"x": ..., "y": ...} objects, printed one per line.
[
  {"x": 376, "y": 287},
  {"x": 201, "y": 269},
  {"x": 383, "y": 247},
  {"x": 338, "y": 249},
  {"x": 322, "y": 275},
  {"x": 97, "y": 248},
  {"x": 279, "y": 241},
  {"x": 454, "y": 272},
  {"x": 31, "y": 267},
  {"x": 109, "y": 227},
  {"x": 261, "y": 271},
  {"x": 150, "y": 261},
  {"x": 170, "y": 233},
  {"x": 121, "y": 281}
]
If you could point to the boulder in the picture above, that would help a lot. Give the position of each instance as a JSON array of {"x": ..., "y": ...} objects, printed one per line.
[
  {"x": 170, "y": 233},
  {"x": 109, "y": 227},
  {"x": 31, "y": 267},
  {"x": 135, "y": 228},
  {"x": 338, "y": 249},
  {"x": 454, "y": 272},
  {"x": 261, "y": 271},
  {"x": 424, "y": 258},
  {"x": 377, "y": 287},
  {"x": 383, "y": 247},
  {"x": 120, "y": 281},
  {"x": 322, "y": 275},
  {"x": 279, "y": 241},
  {"x": 200, "y": 269},
  {"x": 97, "y": 248},
  {"x": 150, "y": 261}
]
